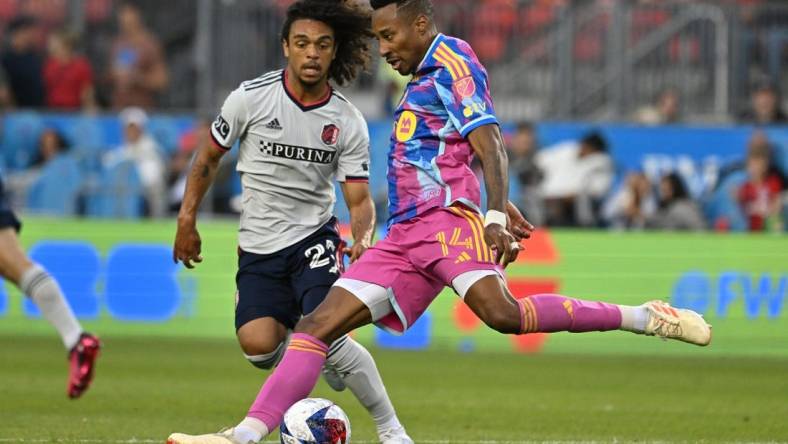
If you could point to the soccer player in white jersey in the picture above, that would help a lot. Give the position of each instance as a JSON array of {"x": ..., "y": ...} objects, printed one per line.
[{"x": 297, "y": 135}]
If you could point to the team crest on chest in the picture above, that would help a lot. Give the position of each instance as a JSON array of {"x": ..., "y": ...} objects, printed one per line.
[
  {"x": 330, "y": 134},
  {"x": 465, "y": 87}
]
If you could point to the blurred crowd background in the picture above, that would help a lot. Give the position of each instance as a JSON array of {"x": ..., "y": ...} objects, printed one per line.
[{"x": 105, "y": 101}]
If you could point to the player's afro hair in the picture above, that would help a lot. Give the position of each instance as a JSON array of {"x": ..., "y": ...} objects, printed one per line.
[{"x": 352, "y": 34}]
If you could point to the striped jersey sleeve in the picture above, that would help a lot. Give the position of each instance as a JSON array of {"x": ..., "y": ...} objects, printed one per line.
[
  {"x": 463, "y": 88},
  {"x": 353, "y": 165}
]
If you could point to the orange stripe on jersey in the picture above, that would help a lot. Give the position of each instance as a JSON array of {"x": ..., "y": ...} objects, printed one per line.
[
  {"x": 453, "y": 61},
  {"x": 464, "y": 71},
  {"x": 445, "y": 62}
]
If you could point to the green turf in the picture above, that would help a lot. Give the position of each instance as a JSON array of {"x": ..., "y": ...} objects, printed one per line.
[{"x": 148, "y": 387}]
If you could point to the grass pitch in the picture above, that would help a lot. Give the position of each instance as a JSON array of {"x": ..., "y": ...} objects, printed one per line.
[{"x": 148, "y": 387}]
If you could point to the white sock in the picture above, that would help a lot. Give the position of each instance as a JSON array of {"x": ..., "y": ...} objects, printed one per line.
[
  {"x": 250, "y": 430},
  {"x": 37, "y": 284},
  {"x": 359, "y": 372},
  {"x": 633, "y": 319}
]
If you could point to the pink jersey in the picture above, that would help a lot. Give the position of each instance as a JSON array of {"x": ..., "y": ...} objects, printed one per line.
[{"x": 430, "y": 157}]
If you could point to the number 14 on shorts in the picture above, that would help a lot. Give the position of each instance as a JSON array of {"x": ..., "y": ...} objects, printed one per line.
[{"x": 455, "y": 241}]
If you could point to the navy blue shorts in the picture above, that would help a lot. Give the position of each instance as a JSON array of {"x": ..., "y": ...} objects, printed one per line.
[
  {"x": 7, "y": 217},
  {"x": 291, "y": 282}
]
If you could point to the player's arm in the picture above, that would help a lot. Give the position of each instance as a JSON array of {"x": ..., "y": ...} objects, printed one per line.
[
  {"x": 203, "y": 172},
  {"x": 488, "y": 146},
  {"x": 225, "y": 131},
  {"x": 362, "y": 216}
]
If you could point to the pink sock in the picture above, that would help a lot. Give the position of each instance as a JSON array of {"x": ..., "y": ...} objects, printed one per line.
[
  {"x": 548, "y": 313},
  {"x": 291, "y": 381}
]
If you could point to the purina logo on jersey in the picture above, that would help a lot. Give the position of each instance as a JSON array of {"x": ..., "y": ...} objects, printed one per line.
[
  {"x": 297, "y": 152},
  {"x": 330, "y": 134}
]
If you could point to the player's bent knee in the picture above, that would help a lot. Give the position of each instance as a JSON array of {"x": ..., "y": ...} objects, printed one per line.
[{"x": 267, "y": 360}]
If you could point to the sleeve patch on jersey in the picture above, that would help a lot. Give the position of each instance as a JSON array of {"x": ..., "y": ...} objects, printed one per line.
[
  {"x": 222, "y": 127},
  {"x": 465, "y": 87}
]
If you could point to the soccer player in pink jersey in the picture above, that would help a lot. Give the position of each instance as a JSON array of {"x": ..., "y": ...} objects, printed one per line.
[{"x": 437, "y": 235}]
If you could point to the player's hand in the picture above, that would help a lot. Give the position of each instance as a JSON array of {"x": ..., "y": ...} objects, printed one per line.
[
  {"x": 187, "y": 245},
  {"x": 503, "y": 243},
  {"x": 518, "y": 226},
  {"x": 355, "y": 251}
]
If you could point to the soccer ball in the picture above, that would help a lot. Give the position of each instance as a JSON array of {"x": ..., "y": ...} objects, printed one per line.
[{"x": 315, "y": 421}]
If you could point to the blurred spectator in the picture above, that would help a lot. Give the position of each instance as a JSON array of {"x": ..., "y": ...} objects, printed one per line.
[
  {"x": 50, "y": 145},
  {"x": 188, "y": 144},
  {"x": 633, "y": 205},
  {"x": 5, "y": 92},
  {"x": 138, "y": 71},
  {"x": 677, "y": 211},
  {"x": 577, "y": 176},
  {"x": 68, "y": 76},
  {"x": 522, "y": 161},
  {"x": 666, "y": 110},
  {"x": 23, "y": 64},
  {"x": 142, "y": 148},
  {"x": 766, "y": 108},
  {"x": 759, "y": 197}
]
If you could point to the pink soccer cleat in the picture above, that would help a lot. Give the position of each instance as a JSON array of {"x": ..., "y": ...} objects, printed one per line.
[{"x": 82, "y": 360}]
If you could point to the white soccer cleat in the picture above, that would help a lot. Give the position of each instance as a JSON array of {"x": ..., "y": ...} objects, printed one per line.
[
  {"x": 676, "y": 323},
  {"x": 225, "y": 436},
  {"x": 395, "y": 436},
  {"x": 333, "y": 378}
]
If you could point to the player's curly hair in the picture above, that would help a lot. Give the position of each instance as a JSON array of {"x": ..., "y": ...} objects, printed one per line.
[{"x": 352, "y": 34}]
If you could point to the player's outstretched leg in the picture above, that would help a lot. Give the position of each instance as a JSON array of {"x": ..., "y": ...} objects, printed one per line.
[
  {"x": 547, "y": 313},
  {"x": 34, "y": 281},
  {"x": 297, "y": 372},
  {"x": 358, "y": 371}
]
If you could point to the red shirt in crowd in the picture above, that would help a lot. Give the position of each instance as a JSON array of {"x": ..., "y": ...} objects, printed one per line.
[
  {"x": 66, "y": 82},
  {"x": 757, "y": 198}
]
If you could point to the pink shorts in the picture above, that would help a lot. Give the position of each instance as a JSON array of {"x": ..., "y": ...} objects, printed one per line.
[{"x": 420, "y": 257}]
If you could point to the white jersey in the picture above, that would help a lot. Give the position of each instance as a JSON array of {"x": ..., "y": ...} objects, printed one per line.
[{"x": 290, "y": 155}]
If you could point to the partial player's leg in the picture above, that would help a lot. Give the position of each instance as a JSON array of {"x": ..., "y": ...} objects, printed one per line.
[
  {"x": 353, "y": 366},
  {"x": 453, "y": 248},
  {"x": 489, "y": 298},
  {"x": 34, "y": 281},
  {"x": 297, "y": 373}
]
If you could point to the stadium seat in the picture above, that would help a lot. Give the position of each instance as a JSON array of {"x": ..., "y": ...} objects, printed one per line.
[
  {"x": 141, "y": 283},
  {"x": 416, "y": 338},
  {"x": 87, "y": 139},
  {"x": 21, "y": 132},
  {"x": 165, "y": 131},
  {"x": 56, "y": 190},
  {"x": 75, "y": 265},
  {"x": 119, "y": 193}
]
